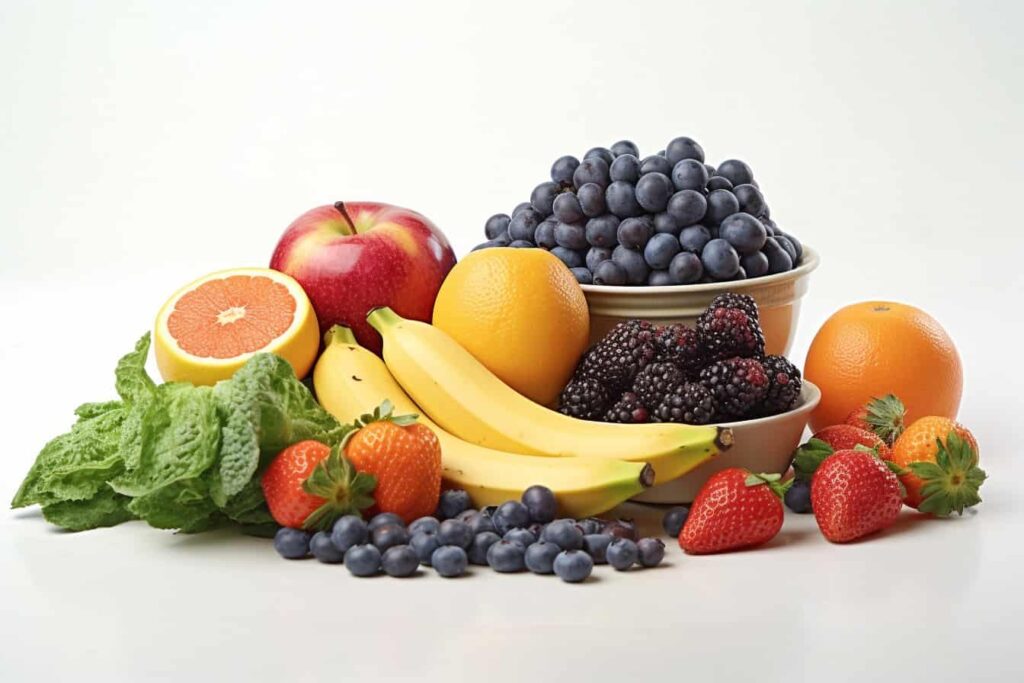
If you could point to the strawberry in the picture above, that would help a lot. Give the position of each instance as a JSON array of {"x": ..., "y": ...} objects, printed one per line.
[
  {"x": 853, "y": 494},
  {"x": 309, "y": 485},
  {"x": 883, "y": 416},
  {"x": 734, "y": 509},
  {"x": 405, "y": 458},
  {"x": 831, "y": 440}
]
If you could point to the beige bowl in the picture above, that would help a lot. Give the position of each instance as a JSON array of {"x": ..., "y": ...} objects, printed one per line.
[
  {"x": 762, "y": 445},
  {"x": 777, "y": 296}
]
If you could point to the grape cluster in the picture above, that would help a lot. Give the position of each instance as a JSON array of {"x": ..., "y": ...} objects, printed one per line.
[{"x": 666, "y": 219}]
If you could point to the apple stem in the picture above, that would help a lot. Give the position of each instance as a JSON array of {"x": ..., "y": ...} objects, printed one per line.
[{"x": 340, "y": 206}]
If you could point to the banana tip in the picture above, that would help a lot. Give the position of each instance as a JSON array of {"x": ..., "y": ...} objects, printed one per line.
[
  {"x": 647, "y": 476},
  {"x": 724, "y": 438}
]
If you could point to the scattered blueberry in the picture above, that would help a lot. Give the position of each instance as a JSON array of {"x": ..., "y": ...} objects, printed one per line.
[
  {"x": 540, "y": 557},
  {"x": 798, "y": 497},
  {"x": 622, "y": 553},
  {"x": 454, "y": 532},
  {"x": 651, "y": 551},
  {"x": 674, "y": 520},
  {"x": 452, "y": 503},
  {"x": 511, "y": 515},
  {"x": 506, "y": 556},
  {"x": 540, "y": 503},
  {"x": 424, "y": 543},
  {"x": 323, "y": 548},
  {"x": 466, "y": 515},
  {"x": 348, "y": 531},
  {"x": 596, "y": 546},
  {"x": 362, "y": 560},
  {"x": 590, "y": 525},
  {"x": 383, "y": 518},
  {"x": 573, "y": 566},
  {"x": 478, "y": 548},
  {"x": 449, "y": 561},
  {"x": 524, "y": 537},
  {"x": 480, "y": 522},
  {"x": 292, "y": 544},
  {"x": 564, "y": 533},
  {"x": 389, "y": 535},
  {"x": 400, "y": 561},
  {"x": 424, "y": 524}
]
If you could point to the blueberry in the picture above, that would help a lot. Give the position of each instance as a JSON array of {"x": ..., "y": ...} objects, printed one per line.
[
  {"x": 389, "y": 535},
  {"x": 622, "y": 553},
  {"x": 735, "y": 171},
  {"x": 656, "y": 164},
  {"x": 693, "y": 238},
  {"x": 685, "y": 268},
  {"x": 602, "y": 232},
  {"x": 324, "y": 549},
  {"x": 633, "y": 233},
  {"x": 362, "y": 560},
  {"x": 567, "y": 208},
  {"x": 524, "y": 224},
  {"x": 563, "y": 168},
  {"x": 755, "y": 265},
  {"x": 573, "y": 566},
  {"x": 569, "y": 257},
  {"x": 480, "y": 522},
  {"x": 424, "y": 524},
  {"x": 564, "y": 533},
  {"x": 383, "y": 518},
  {"x": 521, "y": 206},
  {"x": 609, "y": 273},
  {"x": 582, "y": 275},
  {"x": 683, "y": 148},
  {"x": 449, "y": 561},
  {"x": 717, "y": 183},
  {"x": 540, "y": 557},
  {"x": 424, "y": 543},
  {"x": 524, "y": 537},
  {"x": 571, "y": 235},
  {"x": 621, "y": 528},
  {"x": 798, "y": 497},
  {"x": 720, "y": 260},
  {"x": 778, "y": 259},
  {"x": 537, "y": 528},
  {"x": 592, "y": 170},
  {"x": 541, "y": 504},
  {"x": 596, "y": 546},
  {"x": 621, "y": 199},
  {"x": 452, "y": 503},
  {"x": 590, "y": 525},
  {"x": 660, "y": 250},
  {"x": 521, "y": 244},
  {"x": 496, "y": 225},
  {"x": 591, "y": 199},
  {"x": 625, "y": 167},
  {"x": 600, "y": 153},
  {"x": 507, "y": 556},
  {"x": 400, "y": 561},
  {"x": 544, "y": 235},
  {"x": 511, "y": 515},
  {"x": 466, "y": 515},
  {"x": 660, "y": 278},
  {"x": 689, "y": 174},
  {"x": 653, "y": 191},
  {"x": 348, "y": 531},
  {"x": 292, "y": 544},
  {"x": 481, "y": 544},
  {"x": 744, "y": 232},
  {"x": 454, "y": 532},
  {"x": 651, "y": 551},
  {"x": 633, "y": 263},
  {"x": 624, "y": 147},
  {"x": 666, "y": 223},
  {"x": 787, "y": 246},
  {"x": 796, "y": 245},
  {"x": 687, "y": 207},
  {"x": 750, "y": 198},
  {"x": 721, "y": 203},
  {"x": 674, "y": 520}
]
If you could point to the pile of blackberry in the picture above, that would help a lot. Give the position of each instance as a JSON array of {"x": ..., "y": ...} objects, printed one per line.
[
  {"x": 716, "y": 372},
  {"x": 616, "y": 218}
]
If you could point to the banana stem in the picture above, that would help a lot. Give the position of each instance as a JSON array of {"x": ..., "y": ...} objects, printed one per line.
[
  {"x": 382, "y": 317},
  {"x": 340, "y": 334}
]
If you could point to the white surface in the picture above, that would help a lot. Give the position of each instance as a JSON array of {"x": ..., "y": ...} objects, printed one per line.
[{"x": 143, "y": 145}]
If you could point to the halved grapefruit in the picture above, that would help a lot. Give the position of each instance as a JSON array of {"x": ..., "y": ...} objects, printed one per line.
[{"x": 210, "y": 327}]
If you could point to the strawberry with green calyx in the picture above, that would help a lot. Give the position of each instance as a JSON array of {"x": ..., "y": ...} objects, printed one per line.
[
  {"x": 734, "y": 509},
  {"x": 854, "y": 493},
  {"x": 309, "y": 485},
  {"x": 827, "y": 441},
  {"x": 883, "y": 416}
]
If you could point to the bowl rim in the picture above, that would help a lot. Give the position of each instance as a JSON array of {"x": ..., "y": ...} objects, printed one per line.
[
  {"x": 808, "y": 263},
  {"x": 810, "y": 395}
]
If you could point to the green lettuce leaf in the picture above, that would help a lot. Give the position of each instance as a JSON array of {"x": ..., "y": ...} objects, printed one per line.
[
  {"x": 106, "y": 508},
  {"x": 131, "y": 380},
  {"x": 184, "y": 505}
]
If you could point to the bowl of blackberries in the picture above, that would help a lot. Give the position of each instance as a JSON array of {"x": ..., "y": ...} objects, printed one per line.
[
  {"x": 716, "y": 372},
  {"x": 658, "y": 237}
]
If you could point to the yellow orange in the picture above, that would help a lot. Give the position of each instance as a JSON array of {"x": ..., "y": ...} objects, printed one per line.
[
  {"x": 521, "y": 313},
  {"x": 919, "y": 443},
  {"x": 876, "y": 348},
  {"x": 210, "y": 327}
]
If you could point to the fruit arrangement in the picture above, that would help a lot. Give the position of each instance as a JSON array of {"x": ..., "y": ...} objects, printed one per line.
[
  {"x": 717, "y": 372},
  {"x": 615, "y": 218}
]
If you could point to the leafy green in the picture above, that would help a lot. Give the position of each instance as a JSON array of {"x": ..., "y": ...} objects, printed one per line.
[{"x": 106, "y": 508}]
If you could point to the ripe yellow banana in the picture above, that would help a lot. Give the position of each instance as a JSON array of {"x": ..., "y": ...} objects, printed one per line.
[
  {"x": 351, "y": 381},
  {"x": 465, "y": 398}
]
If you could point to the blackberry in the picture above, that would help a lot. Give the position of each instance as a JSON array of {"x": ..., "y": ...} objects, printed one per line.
[
  {"x": 688, "y": 403},
  {"x": 741, "y": 301},
  {"x": 615, "y": 360},
  {"x": 783, "y": 385},
  {"x": 678, "y": 344},
  {"x": 656, "y": 380},
  {"x": 627, "y": 410},
  {"x": 729, "y": 332},
  {"x": 738, "y": 385},
  {"x": 583, "y": 398}
]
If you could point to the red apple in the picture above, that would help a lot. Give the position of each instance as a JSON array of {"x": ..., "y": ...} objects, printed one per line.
[{"x": 351, "y": 257}]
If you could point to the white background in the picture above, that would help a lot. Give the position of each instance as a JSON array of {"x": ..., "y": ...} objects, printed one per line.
[{"x": 144, "y": 144}]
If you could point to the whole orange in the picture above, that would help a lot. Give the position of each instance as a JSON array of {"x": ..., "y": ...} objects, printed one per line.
[
  {"x": 521, "y": 313},
  {"x": 875, "y": 348},
  {"x": 919, "y": 443}
]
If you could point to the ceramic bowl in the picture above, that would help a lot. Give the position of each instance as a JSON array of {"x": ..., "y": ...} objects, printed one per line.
[
  {"x": 762, "y": 445},
  {"x": 777, "y": 296}
]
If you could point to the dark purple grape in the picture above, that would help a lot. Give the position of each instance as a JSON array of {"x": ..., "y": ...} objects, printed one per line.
[
  {"x": 569, "y": 257},
  {"x": 656, "y": 164},
  {"x": 571, "y": 235},
  {"x": 741, "y": 274},
  {"x": 659, "y": 278},
  {"x": 765, "y": 212},
  {"x": 563, "y": 169},
  {"x": 736, "y": 171},
  {"x": 660, "y": 250},
  {"x": 685, "y": 268},
  {"x": 687, "y": 207},
  {"x": 711, "y": 169},
  {"x": 567, "y": 208},
  {"x": 600, "y": 153},
  {"x": 778, "y": 259},
  {"x": 489, "y": 244},
  {"x": 602, "y": 231},
  {"x": 591, "y": 199},
  {"x": 653, "y": 191},
  {"x": 744, "y": 232},
  {"x": 544, "y": 236},
  {"x": 796, "y": 245},
  {"x": 665, "y": 223},
  {"x": 582, "y": 275},
  {"x": 770, "y": 226},
  {"x": 718, "y": 183},
  {"x": 787, "y": 246},
  {"x": 755, "y": 264},
  {"x": 610, "y": 273},
  {"x": 625, "y": 167},
  {"x": 750, "y": 198},
  {"x": 524, "y": 224},
  {"x": 521, "y": 206},
  {"x": 689, "y": 174},
  {"x": 683, "y": 148},
  {"x": 721, "y": 203},
  {"x": 521, "y": 244},
  {"x": 496, "y": 225},
  {"x": 621, "y": 199},
  {"x": 624, "y": 147},
  {"x": 720, "y": 260},
  {"x": 633, "y": 263},
  {"x": 693, "y": 238},
  {"x": 592, "y": 170},
  {"x": 542, "y": 197},
  {"x": 633, "y": 233},
  {"x": 597, "y": 255}
]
